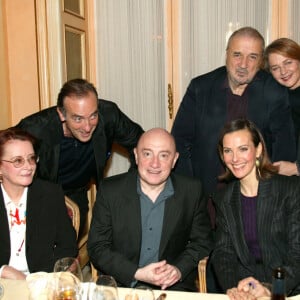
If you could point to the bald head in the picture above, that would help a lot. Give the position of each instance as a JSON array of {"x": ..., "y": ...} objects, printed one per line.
[
  {"x": 155, "y": 156},
  {"x": 159, "y": 135}
]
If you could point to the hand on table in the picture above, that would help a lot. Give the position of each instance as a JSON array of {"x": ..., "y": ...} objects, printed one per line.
[
  {"x": 170, "y": 274},
  {"x": 254, "y": 287},
  {"x": 235, "y": 294},
  {"x": 248, "y": 289},
  {"x": 160, "y": 274}
]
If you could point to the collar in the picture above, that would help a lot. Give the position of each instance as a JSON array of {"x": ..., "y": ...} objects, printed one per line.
[
  {"x": 167, "y": 191},
  {"x": 8, "y": 201}
]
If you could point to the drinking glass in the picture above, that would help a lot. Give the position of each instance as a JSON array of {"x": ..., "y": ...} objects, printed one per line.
[
  {"x": 69, "y": 264},
  {"x": 68, "y": 287},
  {"x": 105, "y": 288}
]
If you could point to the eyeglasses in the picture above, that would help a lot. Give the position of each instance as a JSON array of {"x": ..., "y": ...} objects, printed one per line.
[{"x": 19, "y": 161}]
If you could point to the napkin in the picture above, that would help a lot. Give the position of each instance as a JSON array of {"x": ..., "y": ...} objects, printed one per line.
[{"x": 42, "y": 285}]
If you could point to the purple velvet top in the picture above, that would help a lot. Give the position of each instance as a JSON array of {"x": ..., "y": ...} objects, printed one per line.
[
  {"x": 237, "y": 106},
  {"x": 250, "y": 225}
]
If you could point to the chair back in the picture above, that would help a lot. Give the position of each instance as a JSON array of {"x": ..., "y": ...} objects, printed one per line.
[
  {"x": 202, "y": 275},
  {"x": 73, "y": 212}
]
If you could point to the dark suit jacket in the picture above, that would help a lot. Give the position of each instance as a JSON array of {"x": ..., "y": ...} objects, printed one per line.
[
  {"x": 278, "y": 226},
  {"x": 202, "y": 114},
  {"x": 113, "y": 126},
  {"x": 49, "y": 231},
  {"x": 115, "y": 234}
]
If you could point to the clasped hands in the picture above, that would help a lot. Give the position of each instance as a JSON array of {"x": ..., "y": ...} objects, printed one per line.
[
  {"x": 160, "y": 273},
  {"x": 248, "y": 289}
]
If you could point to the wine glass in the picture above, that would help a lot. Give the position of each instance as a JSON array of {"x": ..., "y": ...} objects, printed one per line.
[
  {"x": 68, "y": 287},
  {"x": 69, "y": 264},
  {"x": 105, "y": 288}
]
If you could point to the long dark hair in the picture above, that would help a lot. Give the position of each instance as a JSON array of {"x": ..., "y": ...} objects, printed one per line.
[{"x": 265, "y": 169}]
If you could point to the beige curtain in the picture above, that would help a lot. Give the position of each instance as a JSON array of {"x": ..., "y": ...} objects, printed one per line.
[
  {"x": 206, "y": 26},
  {"x": 131, "y": 61},
  {"x": 131, "y": 49},
  {"x": 294, "y": 20}
]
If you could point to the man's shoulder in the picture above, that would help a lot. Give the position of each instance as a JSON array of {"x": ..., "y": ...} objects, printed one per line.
[
  {"x": 212, "y": 75},
  {"x": 45, "y": 125},
  {"x": 109, "y": 111},
  {"x": 106, "y": 105},
  {"x": 41, "y": 118},
  {"x": 268, "y": 80},
  {"x": 117, "y": 180},
  {"x": 106, "y": 102}
]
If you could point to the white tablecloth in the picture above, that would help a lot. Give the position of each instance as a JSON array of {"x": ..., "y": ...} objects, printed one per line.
[{"x": 18, "y": 290}]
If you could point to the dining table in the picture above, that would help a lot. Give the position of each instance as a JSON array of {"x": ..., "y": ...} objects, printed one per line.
[{"x": 18, "y": 290}]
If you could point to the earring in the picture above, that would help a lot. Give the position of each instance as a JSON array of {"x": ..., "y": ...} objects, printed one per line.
[{"x": 257, "y": 162}]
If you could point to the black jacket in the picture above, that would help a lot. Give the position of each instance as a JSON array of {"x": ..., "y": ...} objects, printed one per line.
[
  {"x": 113, "y": 126},
  {"x": 49, "y": 231},
  {"x": 114, "y": 242},
  {"x": 278, "y": 229},
  {"x": 202, "y": 115}
]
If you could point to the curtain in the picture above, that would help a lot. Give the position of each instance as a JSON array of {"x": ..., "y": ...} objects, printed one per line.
[
  {"x": 206, "y": 26},
  {"x": 294, "y": 20},
  {"x": 131, "y": 61}
]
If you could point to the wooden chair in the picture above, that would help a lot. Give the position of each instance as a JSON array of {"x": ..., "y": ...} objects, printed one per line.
[
  {"x": 73, "y": 212},
  {"x": 202, "y": 274},
  {"x": 82, "y": 241},
  {"x": 94, "y": 272}
]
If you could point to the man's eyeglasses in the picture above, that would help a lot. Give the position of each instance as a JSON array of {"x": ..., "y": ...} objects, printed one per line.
[{"x": 19, "y": 161}]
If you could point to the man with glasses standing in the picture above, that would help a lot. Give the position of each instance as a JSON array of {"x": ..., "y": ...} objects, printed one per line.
[{"x": 75, "y": 139}]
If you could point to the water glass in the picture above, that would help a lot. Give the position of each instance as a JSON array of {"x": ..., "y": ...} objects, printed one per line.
[
  {"x": 69, "y": 264},
  {"x": 105, "y": 288}
]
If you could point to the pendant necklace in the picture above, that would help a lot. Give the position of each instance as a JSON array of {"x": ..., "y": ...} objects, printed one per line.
[{"x": 20, "y": 248}]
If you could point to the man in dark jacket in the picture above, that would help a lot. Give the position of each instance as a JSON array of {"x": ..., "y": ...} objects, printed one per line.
[
  {"x": 75, "y": 139},
  {"x": 239, "y": 90},
  {"x": 151, "y": 227}
]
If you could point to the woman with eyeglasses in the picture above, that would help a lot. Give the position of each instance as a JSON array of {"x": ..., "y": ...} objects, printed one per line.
[
  {"x": 282, "y": 59},
  {"x": 35, "y": 229}
]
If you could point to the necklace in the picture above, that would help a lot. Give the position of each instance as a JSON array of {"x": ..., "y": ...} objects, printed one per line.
[
  {"x": 15, "y": 218},
  {"x": 20, "y": 248},
  {"x": 17, "y": 226}
]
